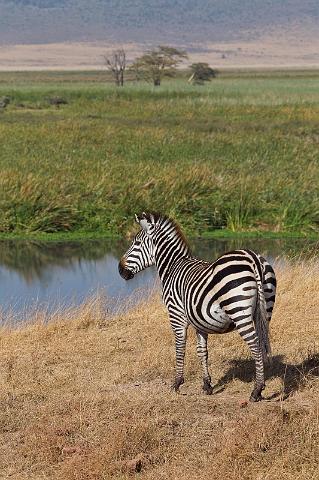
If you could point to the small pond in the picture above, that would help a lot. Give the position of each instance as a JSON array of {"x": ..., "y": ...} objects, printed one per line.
[{"x": 49, "y": 274}]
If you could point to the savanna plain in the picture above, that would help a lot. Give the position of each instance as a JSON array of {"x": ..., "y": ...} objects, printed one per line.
[
  {"x": 85, "y": 394},
  {"x": 240, "y": 153}
]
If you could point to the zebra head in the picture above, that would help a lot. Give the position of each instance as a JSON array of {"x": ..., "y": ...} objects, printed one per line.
[{"x": 140, "y": 254}]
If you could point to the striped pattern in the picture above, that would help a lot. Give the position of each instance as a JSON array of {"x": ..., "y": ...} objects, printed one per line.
[{"x": 237, "y": 291}]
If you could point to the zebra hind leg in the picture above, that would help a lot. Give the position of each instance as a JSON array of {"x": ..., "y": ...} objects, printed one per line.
[
  {"x": 202, "y": 353},
  {"x": 248, "y": 333},
  {"x": 260, "y": 379}
]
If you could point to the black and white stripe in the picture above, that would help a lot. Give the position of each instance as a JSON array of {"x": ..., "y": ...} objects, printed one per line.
[{"x": 237, "y": 291}]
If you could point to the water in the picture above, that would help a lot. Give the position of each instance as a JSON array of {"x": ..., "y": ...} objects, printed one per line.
[{"x": 39, "y": 274}]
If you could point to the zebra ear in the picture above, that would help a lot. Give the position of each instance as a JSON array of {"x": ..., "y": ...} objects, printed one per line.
[
  {"x": 140, "y": 217},
  {"x": 146, "y": 226},
  {"x": 146, "y": 221}
]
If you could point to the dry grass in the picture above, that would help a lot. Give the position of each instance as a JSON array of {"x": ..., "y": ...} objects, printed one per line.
[{"x": 87, "y": 397}]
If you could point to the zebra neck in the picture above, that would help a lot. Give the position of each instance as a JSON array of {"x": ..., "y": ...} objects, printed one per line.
[{"x": 169, "y": 250}]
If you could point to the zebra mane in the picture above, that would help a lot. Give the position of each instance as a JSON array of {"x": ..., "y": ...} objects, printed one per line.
[{"x": 159, "y": 218}]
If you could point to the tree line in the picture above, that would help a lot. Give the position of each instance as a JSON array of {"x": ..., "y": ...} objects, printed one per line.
[{"x": 154, "y": 65}]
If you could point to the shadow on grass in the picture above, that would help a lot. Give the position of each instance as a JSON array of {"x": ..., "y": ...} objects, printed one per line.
[{"x": 293, "y": 377}]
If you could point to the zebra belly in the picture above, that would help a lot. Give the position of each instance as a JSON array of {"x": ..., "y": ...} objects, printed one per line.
[{"x": 215, "y": 320}]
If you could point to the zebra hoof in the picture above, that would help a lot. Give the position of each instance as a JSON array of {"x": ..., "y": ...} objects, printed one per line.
[
  {"x": 208, "y": 389},
  {"x": 177, "y": 383},
  {"x": 256, "y": 397},
  {"x": 256, "y": 394}
]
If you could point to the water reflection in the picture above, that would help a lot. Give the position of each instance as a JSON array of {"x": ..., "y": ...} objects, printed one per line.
[
  {"x": 273, "y": 249},
  {"x": 33, "y": 259},
  {"x": 54, "y": 273}
]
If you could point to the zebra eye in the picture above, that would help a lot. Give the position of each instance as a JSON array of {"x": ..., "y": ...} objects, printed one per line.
[{"x": 137, "y": 243}]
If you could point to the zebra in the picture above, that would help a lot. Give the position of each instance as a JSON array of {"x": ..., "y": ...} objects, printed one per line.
[{"x": 237, "y": 291}]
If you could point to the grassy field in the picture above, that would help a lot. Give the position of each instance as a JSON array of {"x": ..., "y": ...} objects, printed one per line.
[
  {"x": 87, "y": 396},
  {"x": 240, "y": 153}
]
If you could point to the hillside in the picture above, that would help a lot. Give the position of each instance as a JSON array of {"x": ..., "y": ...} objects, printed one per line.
[{"x": 150, "y": 21}]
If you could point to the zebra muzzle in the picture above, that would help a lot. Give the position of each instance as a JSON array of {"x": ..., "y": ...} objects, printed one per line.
[{"x": 125, "y": 273}]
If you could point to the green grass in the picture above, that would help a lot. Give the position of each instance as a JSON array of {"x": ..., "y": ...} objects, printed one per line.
[{"x": 239, "y": 154}]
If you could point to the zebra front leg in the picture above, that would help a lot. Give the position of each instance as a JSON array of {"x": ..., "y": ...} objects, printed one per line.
[
  {"x": 202, "y": 353},
  {"x": 180, "y": 333},
  {"x": 248, "y": 333}
]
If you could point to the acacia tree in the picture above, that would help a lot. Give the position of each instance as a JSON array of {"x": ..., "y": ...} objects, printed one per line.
[
  {"x": 158, "y": 63},
  {"x": 116, "y": 63},
  {"x": 201, "y": 72}
]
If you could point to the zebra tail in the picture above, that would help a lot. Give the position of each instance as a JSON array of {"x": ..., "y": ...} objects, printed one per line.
[{"x": 262, "y": 323}]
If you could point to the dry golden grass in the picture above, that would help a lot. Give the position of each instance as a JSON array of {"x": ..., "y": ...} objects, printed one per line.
[{"x": 87, "y": 397}]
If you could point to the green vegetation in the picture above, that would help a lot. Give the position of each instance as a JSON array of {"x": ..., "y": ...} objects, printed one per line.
[
  {"x": 240, "y": 153},
  {"x": 158, "y": 63},
  {"x": 201, "y": 73}
]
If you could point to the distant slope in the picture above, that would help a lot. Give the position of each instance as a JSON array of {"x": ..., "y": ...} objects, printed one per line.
[{"x": 150, "y": 21}]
